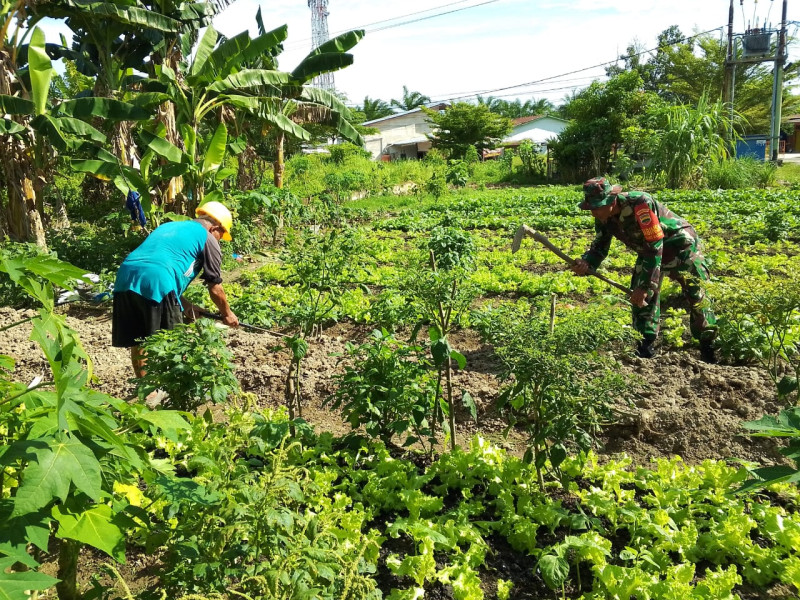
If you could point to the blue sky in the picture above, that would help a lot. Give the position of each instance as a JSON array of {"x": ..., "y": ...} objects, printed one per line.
[{"x": 502, "y": 43}]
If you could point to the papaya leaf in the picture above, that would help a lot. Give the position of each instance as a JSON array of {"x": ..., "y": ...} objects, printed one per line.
[
  {"x": 97, "y": 527},
  {"x": 51, "y": 472},
  {"x": 17, "y": 586}
]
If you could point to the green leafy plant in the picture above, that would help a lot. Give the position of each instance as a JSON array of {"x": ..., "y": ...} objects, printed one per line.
[
  {"x": 533, "y": 164},
  {"x": 785, "y": 426},
  {"x": 320, "y": 266},
  {"x": 191, "y": 364},
  {"x": 562, "y": 390},
  {"x": 763, "y": 320},
  {"x": 65, "y": 446},
  {"x": 457, "y": 173},
  {"x": 389, "y": 389},
  {"x": 443, "y": 294}
]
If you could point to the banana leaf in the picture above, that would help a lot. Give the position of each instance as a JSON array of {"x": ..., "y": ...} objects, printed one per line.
[
  {"x": 204, "y": 50},
  {"x": 341, "y": 43},
  {"x": 321, "y": 63},
  {"x": 164, "y": 148},
  {"x": 215, "y": 153},
  {"x": 108, "y": 108},
  {"x": 13, "y": 105},
  {"x": 41, "y": 71},
  {"x": 249, "y": 78}
]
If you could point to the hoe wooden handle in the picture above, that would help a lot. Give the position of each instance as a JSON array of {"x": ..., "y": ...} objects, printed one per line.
[{"x": 524, "y": 230}]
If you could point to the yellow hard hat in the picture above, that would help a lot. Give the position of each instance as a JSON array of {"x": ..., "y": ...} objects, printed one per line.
[{"x": 218, "y": 212}]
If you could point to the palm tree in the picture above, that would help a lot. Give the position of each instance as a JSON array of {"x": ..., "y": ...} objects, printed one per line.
[
  {"x": 410, "y": 101},
  {"x": 375, "y": 109}
]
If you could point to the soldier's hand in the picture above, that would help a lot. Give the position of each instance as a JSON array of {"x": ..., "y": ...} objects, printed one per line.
[
  {"x": 581, "y": 267},
  {"x": 639, "y": 297}
]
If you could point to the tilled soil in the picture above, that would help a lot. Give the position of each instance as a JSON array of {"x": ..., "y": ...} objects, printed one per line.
[{"x": 687, "y": 407}]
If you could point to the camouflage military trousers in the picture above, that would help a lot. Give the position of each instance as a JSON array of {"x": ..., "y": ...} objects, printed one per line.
[{"x": 688, "y": 268}]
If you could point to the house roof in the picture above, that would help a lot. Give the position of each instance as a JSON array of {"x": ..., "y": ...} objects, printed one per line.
[
  {"x": 523, "y": 120},
  {"x": 440, "y": 106}
]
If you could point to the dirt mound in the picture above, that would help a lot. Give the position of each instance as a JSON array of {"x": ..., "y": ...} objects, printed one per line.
[{"x": 687, "y": 407}]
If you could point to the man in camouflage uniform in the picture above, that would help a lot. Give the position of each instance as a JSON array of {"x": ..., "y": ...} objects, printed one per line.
[{"x": 665, "y": 244}]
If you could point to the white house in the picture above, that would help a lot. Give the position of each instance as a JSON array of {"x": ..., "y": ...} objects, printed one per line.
[
  {"x": 402, "y": 135},
  {"x": 538, "y": 129}
]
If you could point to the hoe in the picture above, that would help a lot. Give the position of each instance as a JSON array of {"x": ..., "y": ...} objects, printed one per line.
[{"x": 529, "y": 231}]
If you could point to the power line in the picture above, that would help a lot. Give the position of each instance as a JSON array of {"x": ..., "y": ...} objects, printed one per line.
[
  {"x": 603, "y": 64},
  {"x": 303, "y": 42}
]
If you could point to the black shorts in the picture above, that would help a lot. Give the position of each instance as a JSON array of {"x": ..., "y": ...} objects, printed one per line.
[{"x": 136, "y": 317}]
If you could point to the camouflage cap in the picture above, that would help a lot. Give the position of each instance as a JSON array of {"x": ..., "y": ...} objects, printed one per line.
[{"x": 597, "y": 193}]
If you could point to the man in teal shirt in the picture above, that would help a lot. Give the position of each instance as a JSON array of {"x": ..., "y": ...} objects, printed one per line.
[{"x": 152, "y": 279}]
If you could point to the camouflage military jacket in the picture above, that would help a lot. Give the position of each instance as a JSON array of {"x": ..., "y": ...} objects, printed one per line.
[{"x": 648, "y": 228}]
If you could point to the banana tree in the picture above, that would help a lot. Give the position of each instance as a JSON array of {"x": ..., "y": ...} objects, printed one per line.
[
  {"x": 300, "y": 103},
  {"x": 217, "y": 78},
  {"x": 37, "y": 130},
  {"x": 110, "y": 41}
]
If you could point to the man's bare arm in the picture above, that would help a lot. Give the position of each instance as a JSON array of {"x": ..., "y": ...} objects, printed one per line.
[{"x": 219, "y": 298}]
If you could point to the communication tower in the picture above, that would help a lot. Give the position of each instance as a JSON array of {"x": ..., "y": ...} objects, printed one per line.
[{"x": 319, "y": 35}]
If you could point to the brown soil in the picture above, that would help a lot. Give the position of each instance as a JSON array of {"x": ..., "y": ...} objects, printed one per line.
[{"x": 688, "y": 408}]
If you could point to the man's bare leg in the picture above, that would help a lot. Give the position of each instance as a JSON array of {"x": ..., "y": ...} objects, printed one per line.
[{"x": 138, "y": 360}]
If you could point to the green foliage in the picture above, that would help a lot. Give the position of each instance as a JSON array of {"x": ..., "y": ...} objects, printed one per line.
[
  {"x": 451, "y": 248},
  {"x": 463, "y": 125},
  {"x": 785, "y": 426},
  {"x": 410, "y": 100},
  {"x": 65, "y": 446},
  {"x": 457, "y": 173},
  {"x": 534, "y": 165},
  {"x": 561, "y": 390},
  {"x": 739, "y": 173},
  {"x": 598, "y": 116},
  {"x": 471, "y": 156},
  {"x": 268, "y": 207},
  {"x": 692, "y": 138},
  {"x": 389, "y": 389},
  {"x": 436, "y": 186},
  {"x": 340, "y": 152},
  {"x": 191, "y": 364},
  {"x": 97, "y": 247},
  {"x": 264, "y": 523},
  {"x": 761, "y": 322}
]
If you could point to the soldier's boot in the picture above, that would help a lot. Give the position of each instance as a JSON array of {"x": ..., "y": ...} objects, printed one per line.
[
  {"x": 647, "y": 347},
  {"x": 707, "y": 352}
]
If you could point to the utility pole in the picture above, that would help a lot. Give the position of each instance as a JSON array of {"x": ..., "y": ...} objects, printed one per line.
[
  {"x": 756, "y": 47},
  {"x": 777, "y": 88},
  {"x": 730, "y": 76}
]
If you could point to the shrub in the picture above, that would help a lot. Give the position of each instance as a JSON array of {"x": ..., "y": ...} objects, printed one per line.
[
  {"x": 191, "y": 364},
  {"x": 740, "y": 173},
  {"x": 389, "y": 389},
  {"x": 457, "y": 173},
  {"x": 452, "y": 247},
  {"x": 341, "y": 152},
  {"x": 96, "y": 247},
  {"x": 560, "y": 388},
  {"x": 533, "y": 164}
]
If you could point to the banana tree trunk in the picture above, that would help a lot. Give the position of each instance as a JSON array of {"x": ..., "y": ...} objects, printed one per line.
[
  {"x": 245, "y": 178},
  {"x": 279, "y": 165},
  {"x": 172, "y": 195},
  {"x": 22, "y": 215}
]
